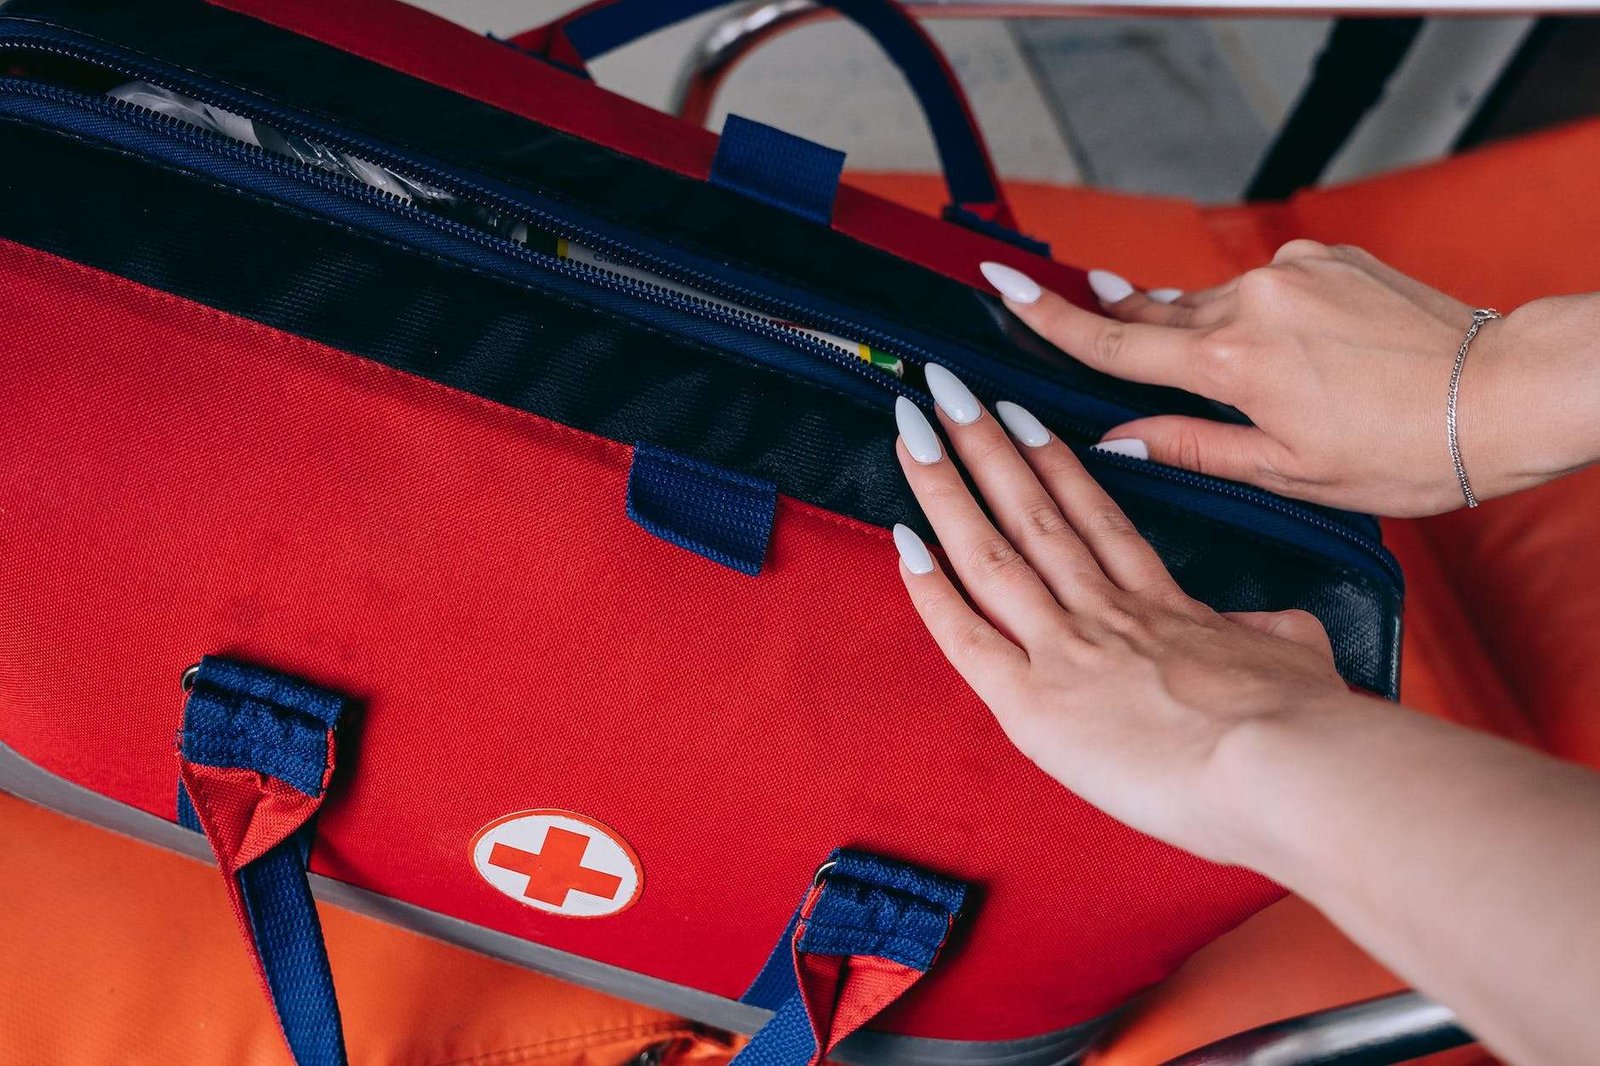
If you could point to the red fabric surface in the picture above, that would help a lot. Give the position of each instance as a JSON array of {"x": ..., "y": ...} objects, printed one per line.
[
  {"x": 245, "y": 814},
  {"x": 842, "y": 993},
  {"x": 183, "y": 482},
  {"x": 436, "y": 50}
]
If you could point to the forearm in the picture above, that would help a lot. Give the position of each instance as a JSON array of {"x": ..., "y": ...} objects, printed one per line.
[
  {"x": 1469, "y": 865},
  {"x": 1531, "y": 395}
]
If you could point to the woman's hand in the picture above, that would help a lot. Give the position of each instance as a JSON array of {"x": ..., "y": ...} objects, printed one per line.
[
  {"x": 1098, "y": 667},
  {"x": 1343, "y": 365},
  {"x": 1466, "y": 863}
]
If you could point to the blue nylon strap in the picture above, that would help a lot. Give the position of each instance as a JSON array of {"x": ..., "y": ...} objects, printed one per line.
[
  {"x": 721, "y": 514},
  {"x": 961, "y": 152},
  {"x": 775, "y": 984},
  {"x": 884, "y": 909},
  {"x": 287, "y": 933},
  {"x": 962, "y": 217},
  {"x": 786, "y": 1039},
  {"x": 188, "y": 817},
  {"x": 243, "y": 716},
  {"x": 868, "y": 906},
  {"x": 777, "y": 168}
]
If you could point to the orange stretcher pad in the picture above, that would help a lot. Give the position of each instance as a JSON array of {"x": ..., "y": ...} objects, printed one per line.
[{"x": 118, "y": 952}]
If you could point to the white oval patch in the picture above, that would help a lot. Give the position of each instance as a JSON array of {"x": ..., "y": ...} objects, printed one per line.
[{"x": 559, "y": 862}]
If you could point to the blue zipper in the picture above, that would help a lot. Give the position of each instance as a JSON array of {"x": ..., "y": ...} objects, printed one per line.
[
  {"x": 348, "y": 189},
  {"x": 36, "y": 39},
  {"x": 989, "y": 377}
]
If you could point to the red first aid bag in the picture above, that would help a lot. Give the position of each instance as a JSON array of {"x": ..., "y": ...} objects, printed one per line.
[{"x": 504, "y": 470}]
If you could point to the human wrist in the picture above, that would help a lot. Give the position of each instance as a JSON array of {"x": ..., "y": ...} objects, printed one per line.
[
  {"x": 1530, "y": 395},
  {"x": 1262, "y": 769}
]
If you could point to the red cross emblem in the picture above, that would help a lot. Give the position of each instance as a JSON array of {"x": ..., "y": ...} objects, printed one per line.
[
  {"x": 558, "y": 861},
  {"x": 556, "y": 869}
]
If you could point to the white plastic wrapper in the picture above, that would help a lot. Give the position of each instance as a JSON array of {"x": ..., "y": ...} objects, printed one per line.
[{"x": 215, "y": 120}]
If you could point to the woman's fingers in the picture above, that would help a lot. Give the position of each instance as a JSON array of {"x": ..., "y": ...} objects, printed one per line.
[
  {"x": 1179, "y": 313},
  {"x": 980, "y": 654},
  {"x": 1121, "y": 300},
  {"x": 1221, "y": 449},
  {"x": 1301, "y": 627},
  {"x": 1160, "y": 307},
  {"x": 1206, "y": 297},
  {"x": 1119, "y": 550},
  {"x": 1136, "y": 351},
  {"x": 1139, "y": 307},
  {"x": 999, "y": 580},
  {"x": 1026, "y": 512}
]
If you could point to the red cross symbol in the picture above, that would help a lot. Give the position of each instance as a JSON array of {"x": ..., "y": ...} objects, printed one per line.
[{"x": 556, "y": 869}]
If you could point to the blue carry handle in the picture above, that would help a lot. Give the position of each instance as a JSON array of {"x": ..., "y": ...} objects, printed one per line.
[
  {"x": 260, "y": 824},
  {"x": 888, "y": 916},
  {"x": 975, "y": 194}
]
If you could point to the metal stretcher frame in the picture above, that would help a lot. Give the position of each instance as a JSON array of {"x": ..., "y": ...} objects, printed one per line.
[
  {"x": 1378, "y": 32},
  {"x": 1378, "y": 1032}
]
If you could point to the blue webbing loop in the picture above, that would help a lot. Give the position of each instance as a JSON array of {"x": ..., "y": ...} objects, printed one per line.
[
  {"x": 243, "y": 716},
  {"x": 866, "y": 906},
  {"x": 777, "y": 168},
  {"x": 238, "y": 715},
  {"x": 721, "y": 514}
]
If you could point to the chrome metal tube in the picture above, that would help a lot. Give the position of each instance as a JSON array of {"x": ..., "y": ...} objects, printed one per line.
[
  {"x": 1376, "y": 1032},
  {"x": 752, "y": 26}
]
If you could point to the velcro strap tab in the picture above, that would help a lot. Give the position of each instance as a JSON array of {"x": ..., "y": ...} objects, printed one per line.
[{"x": 778, "y": 168}]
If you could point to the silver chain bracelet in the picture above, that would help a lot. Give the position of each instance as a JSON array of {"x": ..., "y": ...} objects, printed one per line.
[{"x": 1479, "y": 317}]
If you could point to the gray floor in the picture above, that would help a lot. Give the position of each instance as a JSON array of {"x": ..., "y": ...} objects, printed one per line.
[{"x": 1179, "y": 107}]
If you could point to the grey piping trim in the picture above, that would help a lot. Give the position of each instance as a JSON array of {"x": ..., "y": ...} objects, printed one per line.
[{"x": 27, "y": 781}]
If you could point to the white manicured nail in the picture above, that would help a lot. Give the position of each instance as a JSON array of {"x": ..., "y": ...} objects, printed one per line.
[
  {"x": 1013, "y": 284},
  {"x": 1129, "y": 446},
  {"x": 921, "y": 441},
  {"x": 913, "y": 552},
  {"x": 1164, "y": 296},
  {"x": 1023, "y": 426},
  {"x": 1110, "y": 288},
  {"x": 953, "y": 398}
]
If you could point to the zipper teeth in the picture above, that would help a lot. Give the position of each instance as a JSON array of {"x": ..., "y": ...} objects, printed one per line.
[
  {"x": 544, "y": 220},
  {"x": 343, "y": 186},
  {"x": 292, "y": 123},
  {"x": 616, "y": 282},
  {"x": 1285, "y": 507}
]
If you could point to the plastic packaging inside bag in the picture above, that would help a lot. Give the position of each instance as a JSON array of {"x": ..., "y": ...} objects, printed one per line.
[
  {"x": 237, "y": 127},
  {"x": 215, "y": 120}
]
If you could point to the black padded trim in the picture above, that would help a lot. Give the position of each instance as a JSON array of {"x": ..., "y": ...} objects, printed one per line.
[{"x": 193, "y": 237}]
